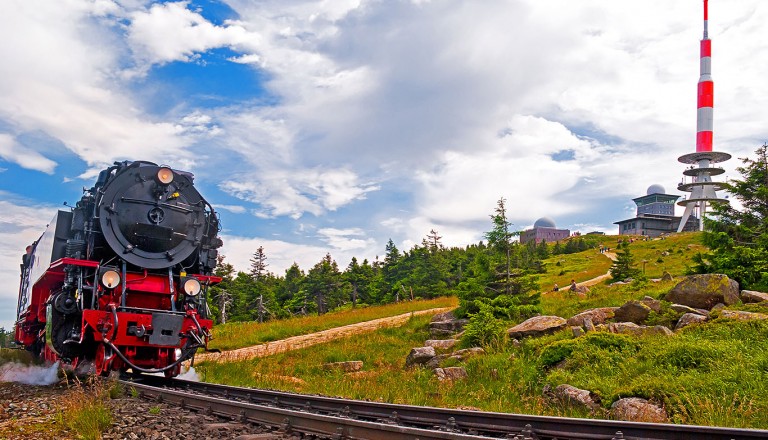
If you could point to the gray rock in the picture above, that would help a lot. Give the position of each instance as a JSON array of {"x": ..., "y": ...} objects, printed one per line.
[
  {"x": 588, "y": 325},
  {"x": 688, "y": 319},
  {"x": 419, "y": 355},
  {"x": 347, "y": 367},
  {"x": 577, "y": 331},
  {"x": 753, "y": 296},
  {"x": 657, "y": 330},
  {"x": 742, "y": 316},
  {"x": 679, "y": 308},
  {"x": 630, "y": 328},
  {"x": 436, "y": 361},
  {"x": 442, "y": 344},
  {"x": 537, "y": 326},
  {"x": 574, "y": 396},
  {"x": 633, "y": 311},
  {"x": 598, "y": 316},
  {"x": 467, "y": 352},
  {"x": 445, "y": 316},
  {"x": 704, "y": 291},
  {"x": 635, "y": 409},
  {"x": 451, "y": 373},
  {"x": 666, "y": 276},
  {"x": 654, "y": 304},
  {"x": 447, "y": 328}
]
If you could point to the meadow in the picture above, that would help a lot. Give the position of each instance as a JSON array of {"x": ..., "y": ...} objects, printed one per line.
[{"x": 710, "y": 374}]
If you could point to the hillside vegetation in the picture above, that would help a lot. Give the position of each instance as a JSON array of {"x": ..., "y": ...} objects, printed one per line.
[{"x": 710, "y": 374}]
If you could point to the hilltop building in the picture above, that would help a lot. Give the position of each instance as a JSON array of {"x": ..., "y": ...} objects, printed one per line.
[
  {"x": 544, "y": 229},
  {"x": 655, "y": 215}
]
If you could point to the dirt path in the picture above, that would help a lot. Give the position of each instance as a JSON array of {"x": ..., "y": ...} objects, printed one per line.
[
  {"x": 595, "y": 280},
  {"x": 297, "y": 342}
]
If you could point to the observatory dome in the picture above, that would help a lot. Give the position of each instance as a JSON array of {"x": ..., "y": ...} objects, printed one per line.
[
  {"x": 544, "y": 222},
  {"x": 655, "y": 189}
]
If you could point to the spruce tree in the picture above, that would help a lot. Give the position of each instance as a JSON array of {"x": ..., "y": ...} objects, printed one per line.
[
  {"x": 738, "y": 238},
  {"x": 624, "y": 266}
]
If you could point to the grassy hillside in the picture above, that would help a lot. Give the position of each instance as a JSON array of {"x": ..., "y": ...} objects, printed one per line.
[
  {"x": 710, "y": 374},
  {"x": 243, "y": 334}
]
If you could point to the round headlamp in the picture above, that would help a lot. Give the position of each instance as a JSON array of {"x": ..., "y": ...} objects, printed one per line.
[
  {"x": 110, "y": 279},
  {"x": 165, "y": 175},
  {"x": 191, "y": 287}
]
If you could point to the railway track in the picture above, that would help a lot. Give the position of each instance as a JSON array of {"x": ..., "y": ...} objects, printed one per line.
[{"x": 354, "y": 419}]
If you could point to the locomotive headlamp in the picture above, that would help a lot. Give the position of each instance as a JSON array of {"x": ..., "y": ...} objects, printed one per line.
[
  {"x": 191, "y": 286},
  {"x": 165, "y": 175},
  {"x": 110, "y": 279}
]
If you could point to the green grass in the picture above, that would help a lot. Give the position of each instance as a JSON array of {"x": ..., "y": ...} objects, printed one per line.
[
  {"x": 565, "y": 304},
  {"x": 84, "y": 411},
  {"x": 581, "y": 266},
  {"x": 243, "y": 334},
  {"x": 708, "y": 374},
  {"x": 589, "y": 264},
  {"x": 712, "y": 374}
]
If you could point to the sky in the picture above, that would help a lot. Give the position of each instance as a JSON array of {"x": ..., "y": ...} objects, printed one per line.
[{"x": 319, "y": 127}]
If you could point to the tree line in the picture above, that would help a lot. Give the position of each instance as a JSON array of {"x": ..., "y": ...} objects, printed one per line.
[{"x": 498, "y": 273}]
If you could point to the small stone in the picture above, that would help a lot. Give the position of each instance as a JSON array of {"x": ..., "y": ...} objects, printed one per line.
[
  {"x": 577, "y": 331},
  {"x": 347, "y": 366},
  {"x": 537, "y": 326},
  {"x": 455, "y": 373},
  {"x": 419, "y": 355},
  {"x": 688, "y": 319},
  {"x": 753, "y": 296},
  {"x": 635, "y": 409},
  {"x": 443, "y": 344}
]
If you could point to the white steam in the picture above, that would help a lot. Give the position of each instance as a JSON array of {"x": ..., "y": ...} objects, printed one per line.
[
  {"x": 29, "y": 374},
  {"x": 190, "y": 375}
]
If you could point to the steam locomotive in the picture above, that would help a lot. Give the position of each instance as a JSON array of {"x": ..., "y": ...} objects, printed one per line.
[{"x": 120, "y": 280}]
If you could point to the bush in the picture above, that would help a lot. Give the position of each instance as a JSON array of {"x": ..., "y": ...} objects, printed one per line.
[
  {"x": 557, "y": 352},
  {"x": 698, "y": 357},
  {"x": 611, "y": 341},
  {"x": 483, "y": 328}
]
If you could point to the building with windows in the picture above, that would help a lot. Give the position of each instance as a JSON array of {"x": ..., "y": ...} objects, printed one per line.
[
  {"x": 655, "y": 215},
  {"x": 544, "y": 229}
]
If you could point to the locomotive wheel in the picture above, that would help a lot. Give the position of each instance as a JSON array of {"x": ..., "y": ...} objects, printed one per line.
[{"x": 103, "y": 360}]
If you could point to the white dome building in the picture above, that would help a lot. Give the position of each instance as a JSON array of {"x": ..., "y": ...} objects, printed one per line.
[{"x": 544, "y": 229}]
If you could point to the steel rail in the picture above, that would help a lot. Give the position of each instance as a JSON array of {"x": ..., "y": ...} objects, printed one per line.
[
  {"x": 474, "y": 424},
  {"x": 290, "y": 420}
]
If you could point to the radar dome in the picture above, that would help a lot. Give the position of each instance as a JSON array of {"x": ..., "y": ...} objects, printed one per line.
[
  {"x": 544, "y": 222},
  {"x": 655, "y": 189}
]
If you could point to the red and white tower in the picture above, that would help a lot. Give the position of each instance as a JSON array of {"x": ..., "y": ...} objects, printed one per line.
[{"x": 697, "y": 178}]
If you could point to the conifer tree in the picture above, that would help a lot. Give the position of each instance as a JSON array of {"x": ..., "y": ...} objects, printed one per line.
[
  {"x": 738, "y": 238},
  {"x": 624, "y": 266}
]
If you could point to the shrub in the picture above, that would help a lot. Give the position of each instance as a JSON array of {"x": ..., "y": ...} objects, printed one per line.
[
  {"x": 557, "y": 352},
  {"x": 689, "y": 356},
  {"x": 483, "y": 328},
  {"x": 611, "y": 341}
]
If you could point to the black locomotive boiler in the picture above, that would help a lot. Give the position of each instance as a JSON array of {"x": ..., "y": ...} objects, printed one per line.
[{"x": 120, "y": 280}]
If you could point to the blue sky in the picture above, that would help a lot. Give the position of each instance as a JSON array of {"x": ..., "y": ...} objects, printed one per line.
[{"x": 319, "y": 127}]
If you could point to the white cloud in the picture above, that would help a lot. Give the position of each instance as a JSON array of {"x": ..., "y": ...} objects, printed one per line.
[
  {"x": 11, "y": 151},
  {"x": 63, "y": 82},
  {"x": 281, "y": 254},
  {"x": 294, "y": 192},
  {"x": 350, "y": 239},
  {"x": 235, "y": 209},
  {"x": 171, "y": 32}
]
